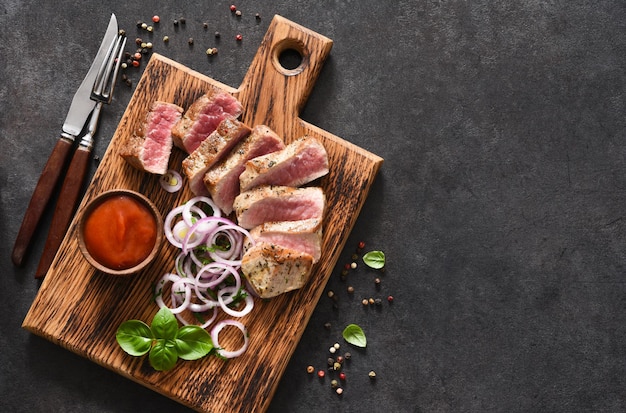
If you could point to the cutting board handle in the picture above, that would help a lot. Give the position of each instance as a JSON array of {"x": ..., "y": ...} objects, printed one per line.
[{"x": 275, "y": 94}]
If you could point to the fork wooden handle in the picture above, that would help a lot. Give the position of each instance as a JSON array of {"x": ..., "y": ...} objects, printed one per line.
[
  {"x": 41, "y": 195},
  {"x": 64, "y": 211}
]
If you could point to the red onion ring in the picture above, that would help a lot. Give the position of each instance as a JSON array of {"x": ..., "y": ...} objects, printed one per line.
[{"x": 215, "y": 336}]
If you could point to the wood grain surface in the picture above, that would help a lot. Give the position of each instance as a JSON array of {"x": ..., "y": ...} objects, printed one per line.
[{"x": 80, "y": 308}]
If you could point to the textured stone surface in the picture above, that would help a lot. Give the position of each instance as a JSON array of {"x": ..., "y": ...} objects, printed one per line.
[{"x": 500, "y": 205}]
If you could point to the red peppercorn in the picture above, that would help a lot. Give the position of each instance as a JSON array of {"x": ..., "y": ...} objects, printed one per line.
[
  {"x": 342, "y": 376},
  {"x": 390, "y": 298},
  {"x": 137, "y": 56},
  {"x": 156, "y": 19},
  {"x": 233, "y": 7},
  {"x": 321, "y": 374},
  {"x": 361, "y": 245},
  {"x": 239, "y": 37},
  {"x": 346, "y": 266},
  {"x": 135, "y": 63}
]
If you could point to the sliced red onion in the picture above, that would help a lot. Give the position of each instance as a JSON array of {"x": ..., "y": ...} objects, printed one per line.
[
  {"x": 231, "y": 291},
  {"x": 195, "y": 284},
  {"x": 171, "y": 181},
  {"x": 215, "y": 332}
]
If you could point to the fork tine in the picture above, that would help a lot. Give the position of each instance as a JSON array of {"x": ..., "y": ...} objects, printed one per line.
[{"x": 105, "y": 80}]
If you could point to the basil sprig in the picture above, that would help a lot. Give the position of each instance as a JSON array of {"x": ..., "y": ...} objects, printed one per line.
[{"x": 163, "y": 340}]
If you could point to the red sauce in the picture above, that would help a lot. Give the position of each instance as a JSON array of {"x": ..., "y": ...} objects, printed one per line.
[{"x": 120, "y": 232}]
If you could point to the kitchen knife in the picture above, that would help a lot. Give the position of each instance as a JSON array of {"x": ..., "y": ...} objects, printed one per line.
[{"x": 79, "y": 111}]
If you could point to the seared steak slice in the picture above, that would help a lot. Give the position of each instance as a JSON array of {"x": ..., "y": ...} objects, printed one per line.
[
  {"x": 272, "y": 270},
  {"x": 222, "y": 179},
  {"x": 278, "y": 203},
  {"x": 302, "y": 161},
  {"x": 203, "y": 117},
  {"x": 304, "y": 236},
  {"x": 219, "y": 143},
  {"x": 150, "y": 147}
]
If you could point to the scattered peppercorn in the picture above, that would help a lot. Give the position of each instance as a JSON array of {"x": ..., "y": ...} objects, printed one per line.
[
  {"x": 376, "y": 281},
  {"x": 150, "y": 28},
  {"x": 121, "y": 32},
  {"x": 190, "y": 41},
  {"x": 149, "y": 45},
  {"x": 144, "y": 26},
  {"x": 371, "y": 301},
  {"x": 135, "y": 63},
  {"x": 336, "y": 345},
  {"x": 327, "y": 326},
  {"x": 182, "y": 20},
  {"x": 321, "y": 374},
  {"x": 390, "y": 298},
  {"x": 350, "y": 289},
  {"x": 346, "y": 266},
  {"x": 239, "y": 37},
  {"x": 378, "y": 301},
  {"x": 339, "y": 391},
  {"x": 166, "y": 39},
  {"x": 332, "y": 350},
  {"x": 205, "y": 25},
  {"x": 330, "y": 361},
  {"x": 342, "y": 376},
  {"x": 372, "y": 374},
  {"x": 233, "y": 7},
  {"x": 331, "y": 293},
  {"x": 257, "y": 16},
  {"x": 347, "y": 356},
  {"x": 139, "y": 23},
  {"x": 137, "y": 56},
  {"x": 334, "y": 384},
  {"x": 310, "y": 369},
  {"x": 175, "y": 22},
  {"x": 124, "y": 66},
  {"x": 336, "y": 366},
  {"x": 138, "y": 41},
  {"x": 156, "y": 19},
  {"x": 355, "y": 256},
  {"x": 217, "y": 35},
  {"x": 364, "y": 302},
  {"x": 353, "y": 265},
  {"x": 238, "y": 13},
  {"x": 361, "y": 245},
  {"x": 339, "y": 359}
]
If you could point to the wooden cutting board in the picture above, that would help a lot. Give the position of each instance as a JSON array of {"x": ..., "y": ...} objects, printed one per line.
[{"x": 80, "y": 308}]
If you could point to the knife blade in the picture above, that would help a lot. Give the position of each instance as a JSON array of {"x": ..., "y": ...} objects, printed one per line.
[{"x": 77, "y": 116}]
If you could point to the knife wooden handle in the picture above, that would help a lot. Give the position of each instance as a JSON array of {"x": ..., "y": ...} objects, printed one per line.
[
  {"x": 40, "y": 198},
  {"x": 64, "y": 211}
]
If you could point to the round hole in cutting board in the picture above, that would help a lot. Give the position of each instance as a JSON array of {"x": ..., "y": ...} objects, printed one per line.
[{"x": 290, "y": 57}]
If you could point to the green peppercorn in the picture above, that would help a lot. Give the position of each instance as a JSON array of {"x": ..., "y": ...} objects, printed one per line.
[
  {"x": 334, "y": 384},
  {"x": 372, "y": 374}
]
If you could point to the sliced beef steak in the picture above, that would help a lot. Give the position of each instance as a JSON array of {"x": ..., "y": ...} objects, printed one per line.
[
  {"x": 215, "y": 147},
  {"x": 203, "y": 117},
  {"x": 222, "y": 180},
  {"x": 302, "y": 161},
  {"x": 278, "y": 203},
  {"x": 272, "y": 270},
  {"x": 150, "y": 147},
  {"x": 304, "y": 235}
]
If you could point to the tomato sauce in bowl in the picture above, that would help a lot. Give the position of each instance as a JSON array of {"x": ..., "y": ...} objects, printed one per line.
[{"x": 120, "y": 232}]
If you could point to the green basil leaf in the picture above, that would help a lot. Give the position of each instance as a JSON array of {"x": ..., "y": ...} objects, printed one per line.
[
  {"x": 374, "y": 259},
  {"x": 354, "y": 335},
  {"x": 163, "y": 355},
  {"x": 193, "y": 342},
  {"x": 164, "y": 324},
  {"x": 135, "y": 337}
]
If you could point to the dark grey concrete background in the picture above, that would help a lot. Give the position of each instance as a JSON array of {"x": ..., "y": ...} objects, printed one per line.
[{"x": 500, "y": 205}]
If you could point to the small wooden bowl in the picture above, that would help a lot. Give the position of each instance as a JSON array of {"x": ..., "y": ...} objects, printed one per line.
[{"x": 97, "y": 201}]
